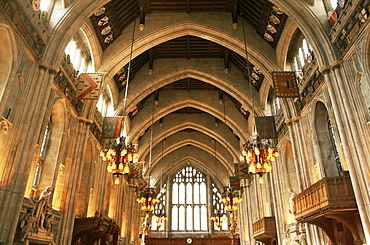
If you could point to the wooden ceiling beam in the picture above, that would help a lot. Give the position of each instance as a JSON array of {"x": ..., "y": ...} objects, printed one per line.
[
  {"x": 226, "y": 53},
  {"x": 145, "y": 5},
  {"x": 188, "y": 47},
  {"x": 151, "y": 58}
]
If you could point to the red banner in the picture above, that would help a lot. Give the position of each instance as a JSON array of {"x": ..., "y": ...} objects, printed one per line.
[
  {"x": 285, "y": 84},
  {"x": 88, "y": 86}
]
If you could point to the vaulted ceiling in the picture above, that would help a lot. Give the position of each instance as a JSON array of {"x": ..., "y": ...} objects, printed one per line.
[{"x": 199, "y": 113}]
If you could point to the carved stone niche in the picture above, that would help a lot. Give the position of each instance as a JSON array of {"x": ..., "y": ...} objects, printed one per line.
[{"x": 37, "y": 227}]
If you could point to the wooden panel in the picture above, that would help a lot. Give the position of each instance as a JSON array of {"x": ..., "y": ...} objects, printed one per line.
[{"x": 182, "y": 241}]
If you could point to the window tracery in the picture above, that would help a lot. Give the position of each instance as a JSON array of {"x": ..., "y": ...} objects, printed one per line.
[{"x": 189, "y": 201}]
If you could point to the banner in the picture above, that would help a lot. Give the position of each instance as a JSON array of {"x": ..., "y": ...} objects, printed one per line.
[
  {"x": 285, "y": 84},
  {"x": 136, "y": 170},
  {"x": 112, "y": 127},
  {"x": 88, "y": 85},
  {"x": 266, "y": 128},
  {"x": 242, "y": 170},
  {"x": 234, "y": 182}
]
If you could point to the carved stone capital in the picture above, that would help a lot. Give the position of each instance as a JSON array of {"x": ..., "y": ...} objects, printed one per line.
[
  {"x": 42, "y": 67},
  {"x": 325, "y": 69},
  {"x": 46, "y": 67},
  {"x": 85, "y": 120},
  {"x": 53, "y": 70},
  {"x": 289, "y": 122},
  {"x": 336, "y": 64}
]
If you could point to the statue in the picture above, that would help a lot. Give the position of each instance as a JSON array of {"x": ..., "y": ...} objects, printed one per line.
[
  {"x": 28, "y": 224},
  {"x": 42, "y": 205},
  {"x": 49, "y": 217},
  {"x": 292, "y": 194}
]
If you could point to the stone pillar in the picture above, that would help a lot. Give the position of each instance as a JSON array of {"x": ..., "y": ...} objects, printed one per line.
[
  {"x": 299, "y": 153},
  {"x": 350, "y": 139},
  {"x": 16, "y": 158},
  {"x": 74, "y": 171}
]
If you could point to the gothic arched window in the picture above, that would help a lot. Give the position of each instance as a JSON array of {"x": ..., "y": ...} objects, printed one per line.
[
  {"x": 189, "y": 201},
  {"x": 218, "y": 209},
  {"x": 40, "y": 162}
]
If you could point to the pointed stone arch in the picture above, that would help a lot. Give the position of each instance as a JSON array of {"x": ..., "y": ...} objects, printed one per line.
[
  {"x": 325, "y": 142},
  {"x": 8, "y": 57}
]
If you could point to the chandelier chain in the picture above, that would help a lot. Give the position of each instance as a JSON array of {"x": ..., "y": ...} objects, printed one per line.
[{"x": 129, "y": 69}]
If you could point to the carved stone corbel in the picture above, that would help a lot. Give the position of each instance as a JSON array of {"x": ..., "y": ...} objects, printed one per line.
[{"x": 5, "y": 124}]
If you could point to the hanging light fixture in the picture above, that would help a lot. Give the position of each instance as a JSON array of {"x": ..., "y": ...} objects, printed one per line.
[
  {"x": 119, "y": 157},
  {"x": 148, "y": 197},
  {"x": 257, "y": 154},
  {"x": 218, "y": 218},
  {"x": 118, "y": 154},
  {"x": 159, "y": 213},
  {"x": 230, "y": 198},
  {"x": 219, "y": 215}
]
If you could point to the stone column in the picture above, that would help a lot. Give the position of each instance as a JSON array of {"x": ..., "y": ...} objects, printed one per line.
[
  {"x": 16, "y": 157},
  {"x": 350, "y": 139},
  {"x": 74, "y": 171},
  {"x": 358, "y": 163}
]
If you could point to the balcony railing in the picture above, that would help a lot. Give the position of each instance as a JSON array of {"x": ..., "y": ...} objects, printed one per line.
[
  {"x": 325, "y": 196},
  {"x": 349, "y": 25},
  {"x": 265, "y": 227}
]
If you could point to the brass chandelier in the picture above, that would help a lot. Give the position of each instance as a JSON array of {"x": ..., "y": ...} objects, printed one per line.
[
  {"x": 148, "y": 199},
  {"x": 259, "y": 155},
  {"x": 218, "y": 218},
  {"x": 118, "y": 154},
  {"x": 230, "y": 198},
  {"x": 119, "y": 157},
  {"x": 160, "y": 217}
]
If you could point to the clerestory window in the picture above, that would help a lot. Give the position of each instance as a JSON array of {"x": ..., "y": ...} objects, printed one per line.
[{"x": 40, "y": 162}]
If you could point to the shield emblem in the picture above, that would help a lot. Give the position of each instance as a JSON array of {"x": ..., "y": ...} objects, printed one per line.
[
  {"x": 332, "y": 16},
  {"x": 36, "y": 5},
  {"x": 363, "y": 16}
]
